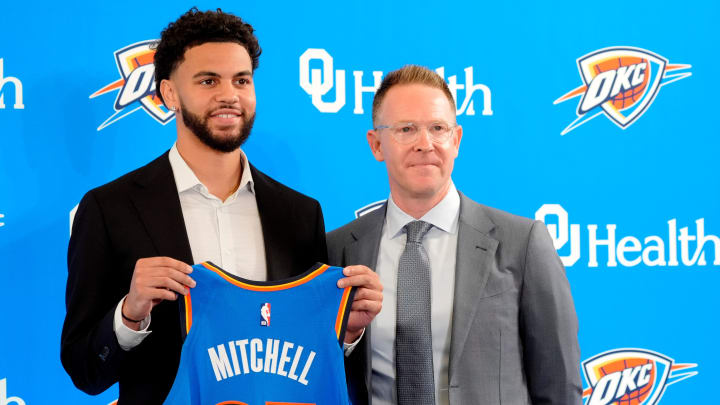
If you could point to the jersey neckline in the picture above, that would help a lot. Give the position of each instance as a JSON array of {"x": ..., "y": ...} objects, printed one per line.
[{"x": 314, "y": 271}]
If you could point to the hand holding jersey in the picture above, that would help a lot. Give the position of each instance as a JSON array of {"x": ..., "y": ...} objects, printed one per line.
[
  {"x": 154, "y": 279},
  {"x": 124, "y": 231},
  {"x": 161, "y": 278},
  {"x": 368, "y": 299}
]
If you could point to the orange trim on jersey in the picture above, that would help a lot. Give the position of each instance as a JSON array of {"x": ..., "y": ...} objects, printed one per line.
[
  {"x": 231, "y": 403},
  {"x": 341, "y": 311},
  {"x": 188, "y": 313},
  {"x": 276, "y": 287},
  {"x": 587, "y": 392}
]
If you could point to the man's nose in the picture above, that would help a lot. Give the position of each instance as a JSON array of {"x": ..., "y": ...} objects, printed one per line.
[
  {"x": 424, "y": 139},
  {"x": 227, "y": 93}
]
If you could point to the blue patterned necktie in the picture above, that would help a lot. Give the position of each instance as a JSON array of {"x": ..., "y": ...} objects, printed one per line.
[{"x": 413, "y": 333}]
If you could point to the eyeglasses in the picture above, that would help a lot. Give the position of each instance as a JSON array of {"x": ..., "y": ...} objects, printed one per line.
[{"x": 407, "y": 132}]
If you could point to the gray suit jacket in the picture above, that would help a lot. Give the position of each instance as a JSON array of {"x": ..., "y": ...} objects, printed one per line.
[{"x": 514, "y": 328}]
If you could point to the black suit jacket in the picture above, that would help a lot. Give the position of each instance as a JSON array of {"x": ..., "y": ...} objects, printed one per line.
[{"x": 138, "y": 216}]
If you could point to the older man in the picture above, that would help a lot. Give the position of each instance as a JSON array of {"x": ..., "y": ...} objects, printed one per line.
[{"x": 477, "y": 306}]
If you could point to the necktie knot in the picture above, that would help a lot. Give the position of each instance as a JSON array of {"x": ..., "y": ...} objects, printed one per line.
[{"x": 416, "y": 231}]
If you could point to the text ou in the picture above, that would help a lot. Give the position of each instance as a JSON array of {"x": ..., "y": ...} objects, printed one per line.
[{"x": 318, "y": 82}]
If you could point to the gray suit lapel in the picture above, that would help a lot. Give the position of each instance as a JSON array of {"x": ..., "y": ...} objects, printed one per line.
[
  {"x": 475, "y": 255},
  {"x": 366, "y": 235}
]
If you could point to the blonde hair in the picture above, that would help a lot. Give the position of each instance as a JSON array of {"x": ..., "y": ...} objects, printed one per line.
[{"x": 410, "y": 74}]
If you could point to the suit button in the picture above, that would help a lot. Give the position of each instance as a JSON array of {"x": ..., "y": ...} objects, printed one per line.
[{"x": 105, "y": 352}]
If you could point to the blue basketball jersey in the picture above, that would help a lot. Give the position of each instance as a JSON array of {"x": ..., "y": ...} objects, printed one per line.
[{"x": 263, "y": 343}]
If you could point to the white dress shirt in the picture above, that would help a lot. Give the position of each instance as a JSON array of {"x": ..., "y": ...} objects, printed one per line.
[
  {"x": 227, "y": 233},
  {"x": 441, "y": 246}
]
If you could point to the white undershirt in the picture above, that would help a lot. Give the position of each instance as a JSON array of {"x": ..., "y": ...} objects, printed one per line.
[
  {"x": 227, "y": 233},
  {"x": 441, "y": 245}
]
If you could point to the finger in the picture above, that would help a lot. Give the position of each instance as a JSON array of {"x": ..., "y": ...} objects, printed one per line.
[
  {"x": 371, "y": 281},
  {"x": 373, "y": 307},
  {"x": 368, "y": 294},
  {"x": 172, "y": 285},
  {"x": 151, "y": 273},
  {"x": 181, "y": 278},
  {"x": 161, "y": 293},
  {"x": 164, "y": 261},
  {"x": 145, "y": 287},
  {"x": 356, "y": 269},
  {"x": 174, "y": 264}
]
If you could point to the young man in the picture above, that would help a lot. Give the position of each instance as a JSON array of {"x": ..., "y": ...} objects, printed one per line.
[
  {"x": 134, "y": 238},
  {"x": 477, "y": 305}
]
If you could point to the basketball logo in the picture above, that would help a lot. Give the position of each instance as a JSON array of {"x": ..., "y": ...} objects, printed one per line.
[
  {"x": 621, "y": 82},
  {"x": 136, "y": 85},
  {"x": 265, "y": 314},
  {"x": 631, "y": 377}
]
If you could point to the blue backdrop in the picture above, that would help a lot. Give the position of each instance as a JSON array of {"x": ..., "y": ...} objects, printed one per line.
[{"x": 630, "y": 196}]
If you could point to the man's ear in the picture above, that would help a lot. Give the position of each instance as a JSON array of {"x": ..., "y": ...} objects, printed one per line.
[
  {"x": 457, "y": 137},
  {"x": 373, "y": 138},
  {"x": 167, "y": 89}
]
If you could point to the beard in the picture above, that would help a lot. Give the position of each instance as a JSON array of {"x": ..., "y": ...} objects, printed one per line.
[{"x": 199, "y": 127}]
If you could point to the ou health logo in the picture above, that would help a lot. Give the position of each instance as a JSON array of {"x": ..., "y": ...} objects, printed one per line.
[
  {"x": 136, "y": 85},
  {"x": 631, "y": 377},
  {"x": 621, "y": 82}
]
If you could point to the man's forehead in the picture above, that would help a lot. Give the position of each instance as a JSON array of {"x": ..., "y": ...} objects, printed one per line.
[
  {"x": 415, "y": 101},
  {"x": 219, "y": 57}
]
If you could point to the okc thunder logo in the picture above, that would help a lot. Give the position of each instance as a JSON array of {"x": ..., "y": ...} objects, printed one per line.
[
  {"x": 621, "y": 82},
  {"x": 136, "y": 85},
  {"x": 631, "y": 377}
]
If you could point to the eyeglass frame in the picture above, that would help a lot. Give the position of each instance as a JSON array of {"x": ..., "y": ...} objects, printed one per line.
[{"x": 417, "y": 134}]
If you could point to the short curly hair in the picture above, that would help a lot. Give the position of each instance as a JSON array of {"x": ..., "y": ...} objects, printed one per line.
[{"x": 195, "y": 28}]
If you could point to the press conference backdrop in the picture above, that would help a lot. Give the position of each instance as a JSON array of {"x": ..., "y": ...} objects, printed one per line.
[{"x": 598, "y": 118}]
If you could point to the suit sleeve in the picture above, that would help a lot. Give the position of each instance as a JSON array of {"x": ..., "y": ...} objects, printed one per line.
[
  {"x": 89, "y": 349},
  {"x": 549, "y": 325}
]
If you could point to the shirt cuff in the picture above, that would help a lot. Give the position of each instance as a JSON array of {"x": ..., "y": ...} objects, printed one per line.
[
  {"x": 128, "y": 338},
  {"x": 349, "y": 347}
]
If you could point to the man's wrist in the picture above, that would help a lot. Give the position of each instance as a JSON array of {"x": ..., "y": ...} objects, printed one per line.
[
  {"x": 351, "y": 337},
  {"x": 127, "y": 334},
  {"x": 349, "y": 347},
  {"x": 127, "y": 321}
]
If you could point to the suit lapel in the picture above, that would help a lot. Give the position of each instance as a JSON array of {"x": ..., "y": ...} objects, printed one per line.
[
  {"x": 274, "y": 212},
  {"x": 158, "y": 205},
  {"x": 475, "y": 255},
  {"x": 367, "y": 233}
]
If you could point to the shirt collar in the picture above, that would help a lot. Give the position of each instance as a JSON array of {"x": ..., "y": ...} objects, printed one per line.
[
  {"x": 185, "y": 178},
  {"x": 443, "y": 216}
]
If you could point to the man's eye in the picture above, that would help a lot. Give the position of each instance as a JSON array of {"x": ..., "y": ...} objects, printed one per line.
[
  {"x": 406, "y": 129},
  {"x": 243, "y": 81},
  {"x": 439, "y": 128},
  {"x": 207, "y": 82}
]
